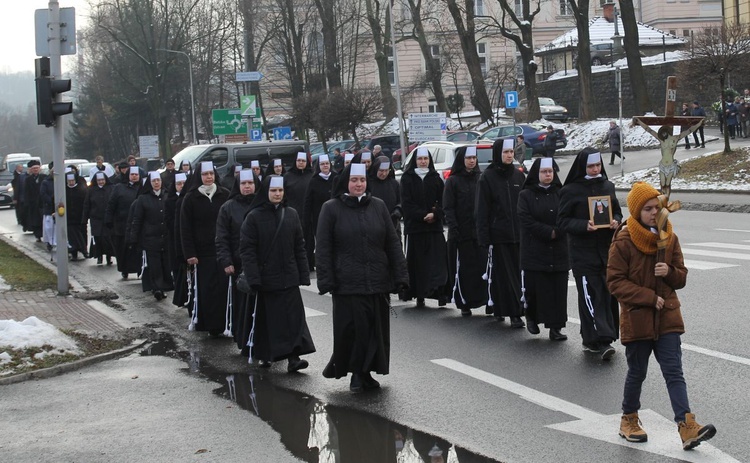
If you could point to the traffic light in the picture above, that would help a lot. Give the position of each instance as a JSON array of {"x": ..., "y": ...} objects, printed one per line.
[{"x": 47, "y": 110}]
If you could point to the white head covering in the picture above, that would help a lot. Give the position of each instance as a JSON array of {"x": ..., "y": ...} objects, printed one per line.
[
  {"x": 255, "y": 163},
  {"x": 366, "y": 155},
  {"x": 358, "y": 169},
  {"x": 385, "y": 165},
  {"x": 276, "y": 162},
  {"x": 302, "y": 155},
  {"x": 422, "y": 152},
  {"x": 546, "y": 163},
  {"x": 323, "y": 158},
  {"x": 134, "y": 170},
  {"x": 508, "y": 144},
  {"x": 237, "y": 169},
  {"x": 348, "y": 156},
  {"x": 207, "y": 166},
  {"x": 246, "y": 175},
  {"x": 99, "y": 175},
  {"x": 594, "y": 158},
  {"x": 276, "y": 182},
  {"x": 471, "y": 152},
  {"x": 70, "y": 176},
  {"x": 180, "y": 177},
  {"x": 153, "y": 175},
  {"x": 68, "y": 169}
]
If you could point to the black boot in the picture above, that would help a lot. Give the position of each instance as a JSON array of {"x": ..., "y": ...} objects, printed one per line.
[
  {"x": 296, "y": 364},
  {"x": 355, "y": 385},
  {"x": 368, "y": 382}
]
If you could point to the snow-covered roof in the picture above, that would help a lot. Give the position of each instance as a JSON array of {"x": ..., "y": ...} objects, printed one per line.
[{"x": 601, "y": 31}]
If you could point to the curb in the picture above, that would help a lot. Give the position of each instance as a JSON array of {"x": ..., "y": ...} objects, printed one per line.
[{"x": 72, "y": 366}]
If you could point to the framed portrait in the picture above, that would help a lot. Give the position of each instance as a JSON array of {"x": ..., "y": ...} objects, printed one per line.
[{"x": 599, "y": 211}]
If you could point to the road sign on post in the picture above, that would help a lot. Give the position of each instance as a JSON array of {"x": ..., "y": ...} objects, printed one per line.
[
  {"x": 228, "y": 122},
  {"x": 148, "y": 145},
  {"x": 249, "y": 107},
  {"x": 248, "y": 76},
  {"x": 282, "y": 133},
  {"x": 256, "y": 134},
  {"x": 427, "y": 126},
  {"x": 511, "y": 100},
  {"x": 67, "y": 31}
]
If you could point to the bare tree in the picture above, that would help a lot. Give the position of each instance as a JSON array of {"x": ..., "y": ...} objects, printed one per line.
[
  {"x": 328, "y": 11},
  {"x": 716, "y": 56},
  {"x": 381, "y": 40},
  {"x": 349, "y": 108},
  {"x": 635, "y": 67},
  {"x": 580, "y": 9}
]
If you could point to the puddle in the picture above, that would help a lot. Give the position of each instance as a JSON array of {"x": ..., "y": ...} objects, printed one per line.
[{"x": 314, "y": 431}]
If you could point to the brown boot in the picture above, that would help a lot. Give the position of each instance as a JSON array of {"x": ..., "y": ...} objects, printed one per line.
[
  {"x": 692, "y": 433},
  {"x": 630, "y": 428}
]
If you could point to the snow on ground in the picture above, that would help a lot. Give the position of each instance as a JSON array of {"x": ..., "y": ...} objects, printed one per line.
[
  {"x": 623, "y": 64},
  {"x": 593, "y": 134},
  {"x": 33, "y": 332}
]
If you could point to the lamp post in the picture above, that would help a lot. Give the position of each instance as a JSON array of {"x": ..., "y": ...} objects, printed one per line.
[{"x": 192, "y": 97}]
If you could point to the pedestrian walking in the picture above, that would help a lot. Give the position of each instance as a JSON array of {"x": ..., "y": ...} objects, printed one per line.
[
  {"x": 275, "y": 167},
  {"x": 296, "y": 182},
  {"x": 550, "y": 142},
  {"x": 498, "y": 230},
  {"x": 116, "y": 219},
  {"x": 18, "y": 183},
  {"x": 382, "y": 183},
  {"x": 198, "y": 214},
  {"x": 75, "y": 197},
  {"x": 588, "y": 248},
  {"x": 148, "y": 232},
  {"x": 644, "y": 276},
  {"x": 32, "y": 197},
  {"x": 730, "y": 117},
  {"x": 614, "y": 138},
  {"x": 426, "y": 254},
  {"x": 182, "y": 289},
  {"x": 318, "y": 192},
  {"x": 167, "y": 177},
  {"x": 465, "y": 257},
  {"x": 274, "y": 265},
  {"x": 698, "y": 111},
  {"x": 359, "y": 262},
  {"x": 94, "y": 210},
  {"x": 544, "y": 251},
  {"x": 47, "y": 202},
  {"x": 743, "y": 115},
  {"x": 685, "y": 112},
  {"x": 520, "y": 150}
]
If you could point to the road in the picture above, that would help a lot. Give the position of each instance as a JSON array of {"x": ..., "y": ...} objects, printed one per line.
[{"x": 504, "y": 393}]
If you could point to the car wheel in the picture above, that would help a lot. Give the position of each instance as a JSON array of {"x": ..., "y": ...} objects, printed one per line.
[{"x": 596, "y": 61}]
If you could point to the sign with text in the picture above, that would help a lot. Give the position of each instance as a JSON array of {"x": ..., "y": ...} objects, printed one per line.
[
  {"x": 511, "y": 100},
  {"x": 427, "y": 127},
  {"x": 228, "y": 122},
  {"x": 248, "y": 76},
  {"x": 148, "y": 146}
]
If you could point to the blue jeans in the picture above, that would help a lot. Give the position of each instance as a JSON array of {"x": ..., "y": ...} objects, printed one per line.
[{"x": 669, "y": 355}]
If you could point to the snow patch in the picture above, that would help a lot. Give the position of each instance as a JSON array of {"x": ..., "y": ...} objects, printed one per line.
[
  {"x": 5, "y": 358},
  {"x": 33, "y": 332}
]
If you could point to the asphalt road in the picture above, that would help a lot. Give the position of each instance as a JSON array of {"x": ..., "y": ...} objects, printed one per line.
[{"x": 507, "y": 394}]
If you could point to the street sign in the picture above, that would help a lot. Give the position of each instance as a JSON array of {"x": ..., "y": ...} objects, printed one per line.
[
  {"x": 256, "y": 134},
  {"x": 248, "y": 76},
  {"x": 248, "y": 106},
  {"x": 427, "y": 127},
  {"x": 228, "y": 122},
  {"x": 511, "y": 100},
  {"x": 67, "y": 31},
  {"x": 148, "y": 146},
  {"x": 282, "y": 133}
]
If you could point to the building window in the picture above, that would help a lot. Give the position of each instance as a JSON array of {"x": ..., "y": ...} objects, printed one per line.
[
  {"x": 565, "y": 8},
  {"x": 482, "y": 52},
  {"x": 478, "y": 7},
  {"x": 435, "y": 53},
  {"x": 391, "y": 66},
  {"x": 673, "y": 32},
  {"x": 686, "y": 32},
  {"x": 431, "y": 105},
  {"x": 519, "y": 8}
]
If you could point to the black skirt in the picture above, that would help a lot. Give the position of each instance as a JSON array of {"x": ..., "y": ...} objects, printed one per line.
[
  {"x": 156, "y": 275},
  {"x": 129, "y": 257},
  {"x": 427, "y": 261},
  {"x": 211, "y": 295},
  {"x": 546, "y": 296},
  {"x": 181, "y": 291},
  {"x": 361, "y": 335},
  {"x": 101, "y": 246},
  {"x": 77, "y": 238},
  {"x": 599, "y": 312},
  {"x": 280, "y": 327},
  {"x": 470, "y": 259},
  {"x": 505, "y": 289}
]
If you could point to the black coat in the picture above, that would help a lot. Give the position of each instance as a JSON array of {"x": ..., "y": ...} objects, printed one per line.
[
  {"x": 33, "y": 200},
  {"x": 95, "y": 208},
  {"x": 318, "y": 192},
  {"x": 198, "y": 223},
  {"x": 228, "y": 225},
  {"x": 118, "y": 207},
  {"x": 496, "y": 209},
  {"x": 458, "y": 203},
  {"x": 273, "y": 265},
  {"x": 19, "y": 184},
  {"x": 47, "y": 196},
  {"x": 358, "y": 251},
  {"x": 537, "y": 211},
  {"x": 419, "y": 197},
  {"x": 295, "y": 187},
  {"x": 74, "y": 199},
  {"x": 179, "y": 257},
  {"x": 148, "y": 226},
  {"x": 388, "y": 191},
  {"x": 167, "y": 179}
]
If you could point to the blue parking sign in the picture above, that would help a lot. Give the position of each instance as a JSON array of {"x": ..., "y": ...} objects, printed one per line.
[
  {"x": 511, "y": 100},
  {"x": 256, "y": 135}
]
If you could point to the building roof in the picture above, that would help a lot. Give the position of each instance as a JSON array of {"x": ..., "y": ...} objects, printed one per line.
[{"x": 601, "y": 31}]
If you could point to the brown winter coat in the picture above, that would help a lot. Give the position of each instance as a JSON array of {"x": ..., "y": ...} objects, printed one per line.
[{"x": 631, "y": 279}]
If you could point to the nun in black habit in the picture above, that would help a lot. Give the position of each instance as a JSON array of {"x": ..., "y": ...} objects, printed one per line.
[
  {"x": 198, "y": 215},
  {"x": 75, "y": 197},
  {"x": 466, "y": 258},
  {"x": 275, "y": 167},
  {"x": 274, "y": 265},
  {"x": 382, "y": 183},
  {"x": 318, "y": 192},
  {"x": 544, "y": 251},
  {"x": 296, "y": 181},
  {"x": 116, "y": 218},
  {"x": 498, "y": 229},
  {"x": 426, "y": 254},
  {"x": 359, "y": 262},
  {"x": 231, "y": 216},
  {"x": 94, "y": 209},
  {"x": 589, "y": 250},
  {"x": 178, "y": 261},
  {"x": 148, "y": 231}
]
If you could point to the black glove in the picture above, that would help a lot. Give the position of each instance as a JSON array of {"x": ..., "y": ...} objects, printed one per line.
[
  {"x": 402, "y": 290},
  {"x": 243, "y": 285},
  {"x": 396, "y": 215}
]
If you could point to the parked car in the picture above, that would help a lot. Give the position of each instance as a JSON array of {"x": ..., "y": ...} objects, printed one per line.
[
  {"x": 533, "y": 136},
  {"x": 316, "y": 148},
  {"x": 396, "y": 157},
  {"x": 550, "y": 110},
  {"x": 601, "y": 53},
  {"x": 388, "y": 143},
  {"x": 8, "y": 165},
  {"x": 444, "y": 153},
  {"x": 6, "y": 196},
  {"x": 85, "y": 169},
  {"x": 463, "y": 135}
]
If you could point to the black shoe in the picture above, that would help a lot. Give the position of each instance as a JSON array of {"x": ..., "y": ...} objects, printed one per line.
[
  {"x": 39, "y": 240},
  {"x": 556, "y": 335},
  {"x": 49, "y": 247},
  {"x": 516, "y": 322},
  {"x": 264, "y": 364},
  {"x": 465, "y": 313},
  {"x": 531, "y": 326},
  {"x": 687, "y": 147},
  {"x": 607, "y": 352},
  {"x": 442, "y": 301},
  {"x": 109, "y": 262},
  {"x": 592, "y": 347},
  {"x": 296, "y": 364},
  {"x": 99, "y": 261},
  {"x": 368, "y": 382},
  {"x": 420, "y": 302},
  {"x": 611, "y": 163},
  {"x": 124, "y": 275},
  {"x": 159, "y": 295},
  {"x": 499, "y": 318},
  {"x": 355, "y": 385}
]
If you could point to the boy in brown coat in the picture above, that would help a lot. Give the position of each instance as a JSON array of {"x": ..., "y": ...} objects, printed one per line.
[{"x": 650, "y": 318}]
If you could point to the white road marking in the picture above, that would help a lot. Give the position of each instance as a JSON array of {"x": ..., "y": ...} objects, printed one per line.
[
  {"x": 724, "y": 255},
  {"x": 706, "y": 265},
  {"x": 313, "y": 313},
  {"x": 663, "y": 437},
  {"x": 736, "y": 247},
  {"x": 732, "y": 230}
]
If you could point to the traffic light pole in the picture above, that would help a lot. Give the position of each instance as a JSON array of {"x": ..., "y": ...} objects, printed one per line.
[{"x": 58, "y": 155}]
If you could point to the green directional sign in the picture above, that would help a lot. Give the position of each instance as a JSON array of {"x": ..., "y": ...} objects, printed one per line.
[
  {"x": 257, "y": 124},
  {"x": 228, "y": 121},
  {"x": 249, "y": 107}
]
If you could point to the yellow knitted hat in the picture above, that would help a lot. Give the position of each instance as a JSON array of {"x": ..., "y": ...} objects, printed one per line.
[{"x": 639, "y": 195}]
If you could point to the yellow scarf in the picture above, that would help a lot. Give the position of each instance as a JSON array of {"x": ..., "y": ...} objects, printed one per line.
[{"x": 643, "y": 238}]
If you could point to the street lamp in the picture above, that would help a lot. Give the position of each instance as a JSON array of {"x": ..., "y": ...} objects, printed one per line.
[{"x": 192, "y": 97}]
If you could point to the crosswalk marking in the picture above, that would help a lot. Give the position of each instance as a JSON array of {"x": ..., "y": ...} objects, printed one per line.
[
  {"x": 725, "y": 255},
  {"x": 732, "y": 230},
  {"x": 706, "y": 265},
  {"x": 736, "y": 247}
]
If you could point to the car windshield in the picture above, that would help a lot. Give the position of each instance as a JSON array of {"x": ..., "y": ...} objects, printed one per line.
[
  {"x": 316, "y": 148},
  {"x": 546, "y": 101},
  {"x": 189, "y": 154}
]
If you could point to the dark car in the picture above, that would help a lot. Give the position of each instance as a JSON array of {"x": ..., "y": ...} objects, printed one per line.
[
  {"x": 549, "y": 109},
  {"x": 463, "y": 135},
  {"x": 533, "y": 136},
  {"x": 6, "y": 196},
  {"x": 388, "y": 143}
]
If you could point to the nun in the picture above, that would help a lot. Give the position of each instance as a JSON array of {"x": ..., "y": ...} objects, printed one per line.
[
  {"x": 75, "y": 197},
  {"x": 498, "y": 230},
  {"x": 426, "y": 254},
  {"x": 255, "y": 167},
  {"x": 465, "y": 257},
  {"x": 366, "y": 158},
  {"x": 178, "y": 261},
  {"x": 348, "y": 159},
  {"x": 94, "y": 209},
  {"x": 274, "y": 265},
  {"x": 544, "y": 251},
  {"x": 185, "y": 167},
  {"x": 148, "y": 231},
  {"x": 360, "y": 263},
  {"x": 382, "y": 183},
  {"x": 319, "y": 191},
  {"x": 116, "y": 218},
  {"x": 198, "y": 214},
  {"x": 296, "y": 182},
  {"x": 588, "y": 247},
  {"x": 228, "y": 226}
]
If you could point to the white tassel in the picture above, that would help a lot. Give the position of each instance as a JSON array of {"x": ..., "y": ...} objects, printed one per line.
[
  {"x": 406, "y": 246},
  {"x": 457, "y": 283},
  {"x": 228, "y": 315},
  {"x": 523, "y": 289},
  {"x": 232, "y": 388},
  {"x": 250, "y": 342},
  {"x": 144, "y": 263},
  {"x": 189, "y": 274},
  {"x": 589, "y": 304},
  {"x": 194, "y": 320},
  {"x": 488, "y": 276},
  {"x": 253, "y": 398}
]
